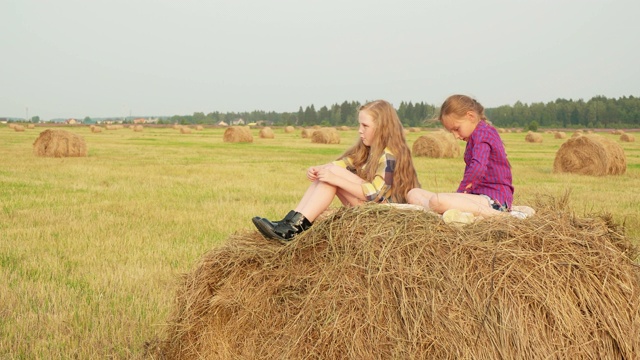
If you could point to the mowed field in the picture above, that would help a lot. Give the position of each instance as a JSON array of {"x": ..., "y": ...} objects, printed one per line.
[{"x": 91, "y": 248}]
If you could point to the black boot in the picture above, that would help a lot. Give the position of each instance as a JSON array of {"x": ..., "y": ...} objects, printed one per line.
[
  {"x": 266, "y": 227},
  {"x": 293, "y": 224}
]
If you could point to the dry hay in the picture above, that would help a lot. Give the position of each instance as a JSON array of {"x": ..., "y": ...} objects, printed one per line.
[
  {"x": 590, "y": 155},
  {"x": 344, "y": 128},
  {"x": 137, "y": 128},
  {"x": 199, "y": 127},
  {"x": 289, "y": 129},
  {"x": 500, "y": 130},
  {"x": 627, "y": 137},
  {"x": 533, "y": 137},
  {"x": 325, "y": 136},
  {"x": 266, "y": 133},
  {"x": 414, "y": 129},
  {"x": 617, "y": 132},
  {"x": 59, "y": 143},
  {"x": 12, "y": 125},
  {"x": 95, "y": 129},
  {"x": 306, "y": 133},
  {"x": 18, "y": 128},
  {"x": 438, "y": 144},
  {"x": 238, "y": 134},
  {"x": 577, "y": 133},
  {"x": 185, "y": 130},
  {"x": 560, "y": 135},
  {"x": 31, "y": 126},
  {"x": 376, "y": 282}
]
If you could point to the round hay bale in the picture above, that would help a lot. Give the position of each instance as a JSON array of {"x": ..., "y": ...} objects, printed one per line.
[
  {"x": 414, "y": 129},
  {"x": 590, "y": 155},
  {"x": 199, "y": 127},
  {"x": 238, "y": 134},
  {"x": 617, "y": 132},
  {"x": 439, "y": 144},
  {"x": 325, "y": 136},
  {"x": 560, "y": 135},
  {"x": 185, "y": 130},
  {"x": 501, "y": 130},
  {"x": 138, "y": 128},
  {"x": 289, "y": 129},
  {"x": 306, "y": 133},
  {"x": 627, "y": 137},
  {"x": 577, "y": 133},
  {"x": 95, "y": 129},
  {"x": 376, "y": 282},
  {"x": 266, "y": 133},
  {"x": 59, "y": 143},
  {"x": 343, "y": 128},
  {"x": 18, "y": 128},
  {"x": 533, "y": 137},
  {"x": 31, "y": 126}
]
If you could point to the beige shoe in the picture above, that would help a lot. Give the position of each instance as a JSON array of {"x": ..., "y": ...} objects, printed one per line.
[
  {"x": 457, "y": 217},
  {"x": 526, "y": 211}
]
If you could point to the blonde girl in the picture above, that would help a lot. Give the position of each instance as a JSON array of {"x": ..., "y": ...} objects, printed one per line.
[{"x": 378, "y": 168}]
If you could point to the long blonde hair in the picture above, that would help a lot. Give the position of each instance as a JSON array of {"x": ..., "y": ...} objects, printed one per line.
[{"x": 389, "y": 133}]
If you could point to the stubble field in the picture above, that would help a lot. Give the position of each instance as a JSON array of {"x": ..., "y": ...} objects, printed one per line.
[{"x": 91, "y": 248}]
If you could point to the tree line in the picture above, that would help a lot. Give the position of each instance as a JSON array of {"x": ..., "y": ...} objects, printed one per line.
[{"x": 598, "y": 112}]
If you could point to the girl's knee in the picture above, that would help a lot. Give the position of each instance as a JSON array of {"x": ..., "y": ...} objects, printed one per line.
[{"x": 413, "y": 196}]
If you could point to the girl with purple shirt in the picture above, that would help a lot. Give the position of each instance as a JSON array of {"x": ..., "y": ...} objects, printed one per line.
[{"x": 486, "y": 188}]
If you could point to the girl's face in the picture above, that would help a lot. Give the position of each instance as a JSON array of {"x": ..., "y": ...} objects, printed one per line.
[
  {"x": 461, "y": 126},
  {"x": 367, "y": 128}
]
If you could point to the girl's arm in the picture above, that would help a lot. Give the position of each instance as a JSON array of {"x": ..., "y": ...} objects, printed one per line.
[{"x": 476, "y": 168}]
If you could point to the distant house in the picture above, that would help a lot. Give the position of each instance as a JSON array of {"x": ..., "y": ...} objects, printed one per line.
[
  {"x": 71, "y": 121},
  {"x": 139, "y": 121},
  {"x": 222, "y": 123},
  {"x": 237, "y": 122}
]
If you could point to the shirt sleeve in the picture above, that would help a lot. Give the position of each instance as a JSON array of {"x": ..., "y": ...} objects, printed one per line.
[
  {"x": 477, "y": 165},
  {"x": 379, "y": 188}
]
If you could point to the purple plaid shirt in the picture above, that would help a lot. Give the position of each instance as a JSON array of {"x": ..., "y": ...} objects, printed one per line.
[{"x": 487, "y": 168}]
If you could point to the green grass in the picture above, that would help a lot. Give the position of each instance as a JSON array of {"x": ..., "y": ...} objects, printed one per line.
[{"x": 91, "y": 248}]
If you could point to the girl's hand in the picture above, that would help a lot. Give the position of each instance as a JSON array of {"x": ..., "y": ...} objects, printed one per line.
[
  {"x": 325, "y": 174},
  {"x": 312, "y": 173}
]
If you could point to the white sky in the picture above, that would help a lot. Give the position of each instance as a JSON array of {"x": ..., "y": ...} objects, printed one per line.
[{"x": 102, "y": 58}]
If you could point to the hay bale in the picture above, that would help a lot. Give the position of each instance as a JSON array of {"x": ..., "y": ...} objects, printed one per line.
[
  {"x": 306, "y": 133},
  {"x": 590, "y": 155},
  {"x": 414, "y": 129},
  {"x": 533, "y": 137},
  {"x": 627, "y": 137},
  {"x": 577, "y": 133},
  {"x": 138, "y": 128},
  {"x": 95, "y": 129},
  {"x": 31, "y": 126},
  {"x": 325, "y": 136},
  {"x": 59, "y": 143},
  {"x": 343, "y": 128},
  {"x": 376, "y": 282},
  {"x": 238, "y": 134},
  {"x": 18, "y": 128},
  {"x": 439, "y": 144},
  {"x": 266, "y": 133},
  {"x": 560, "y": 135},
  {"x": 199, "y": 127},
  {"x": 289, "y": 129},
  {"x": 185, "y": 130}
]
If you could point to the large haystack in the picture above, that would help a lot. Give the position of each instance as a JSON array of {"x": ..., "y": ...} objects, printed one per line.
[
  {"x": 59, "y": 143},
  {"x": 325, "y": 136},
  {"x": 590, "y": 155},
  {"x": 238, "y": 134},
  {"x": 266, "y": 133},
  {"x": 438, "y": 144},
  {"x": 376, "y": 282}
]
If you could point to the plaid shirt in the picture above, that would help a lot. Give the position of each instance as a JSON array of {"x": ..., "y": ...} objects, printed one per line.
[
  {"x": 378, "y": 189},
  {"x": 487, "y": 168}
]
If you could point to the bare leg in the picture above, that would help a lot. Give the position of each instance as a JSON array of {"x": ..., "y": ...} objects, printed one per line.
[{"x": 475, "y": 204}]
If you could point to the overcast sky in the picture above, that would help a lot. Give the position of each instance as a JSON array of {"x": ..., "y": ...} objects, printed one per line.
[{"x": 113, "y": 58}]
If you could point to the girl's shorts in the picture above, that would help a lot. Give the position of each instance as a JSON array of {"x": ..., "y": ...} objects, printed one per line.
[{"x": 495, "y": 205}]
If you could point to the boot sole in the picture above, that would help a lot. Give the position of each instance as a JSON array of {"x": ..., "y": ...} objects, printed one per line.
[{"x": 264, "y": 229}]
